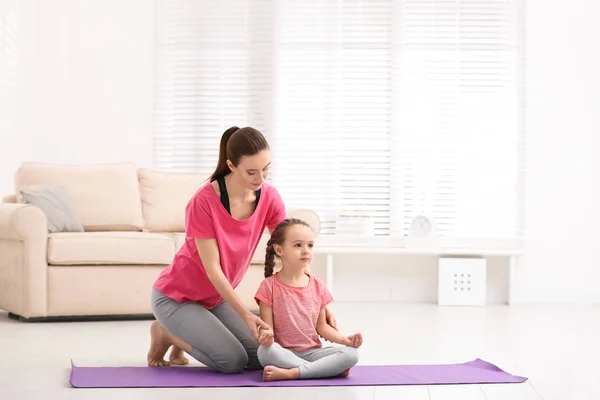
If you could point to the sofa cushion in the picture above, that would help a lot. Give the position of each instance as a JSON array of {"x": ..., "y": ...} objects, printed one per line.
[
  {"x": 106, "y": 196},
  {"x": 179, "y": 239},
  {"x": 92, "y": 248},
  {"x": 164, "y": 198}
]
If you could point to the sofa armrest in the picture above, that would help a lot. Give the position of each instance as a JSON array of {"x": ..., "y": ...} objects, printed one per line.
[
  {"x": 23, "y": 263},
  {"x": 22, "y": 222}
]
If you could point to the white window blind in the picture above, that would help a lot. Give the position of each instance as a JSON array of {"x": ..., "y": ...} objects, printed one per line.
[
  {"x": 213, "y": 71},
  {"x": 375, "y": 110},
  {"x": 333, "y": 99},
  {"x": 457, "y": 132}
]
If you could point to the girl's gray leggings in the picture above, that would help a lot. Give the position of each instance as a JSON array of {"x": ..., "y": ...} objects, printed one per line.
[
  {"x": 219, "y": 337},
  {"x": 324, "y": 362}
]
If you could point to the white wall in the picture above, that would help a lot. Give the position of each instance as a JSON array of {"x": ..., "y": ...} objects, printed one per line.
[
  {"x": 86, "y": 80},
  {"x": 563, "y": 187},
  {"x": 86, "y": 84},
  {"x": 12, "y": 145}
]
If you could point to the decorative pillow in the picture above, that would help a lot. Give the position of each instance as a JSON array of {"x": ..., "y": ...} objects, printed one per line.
[{"x": 57, "y": 205}]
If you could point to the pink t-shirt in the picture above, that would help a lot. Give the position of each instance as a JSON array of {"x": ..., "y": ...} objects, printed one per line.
[
  {"x": 185, "y": 278},
  {"x": 295, "y": 311}
]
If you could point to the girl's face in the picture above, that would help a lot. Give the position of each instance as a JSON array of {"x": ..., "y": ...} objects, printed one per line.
[
  {"x": 252, "y": 171},
  {"x": 297, "y": 248}
]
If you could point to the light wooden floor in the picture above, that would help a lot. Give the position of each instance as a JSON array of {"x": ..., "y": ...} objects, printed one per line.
[{"x": 558, "y": 348}]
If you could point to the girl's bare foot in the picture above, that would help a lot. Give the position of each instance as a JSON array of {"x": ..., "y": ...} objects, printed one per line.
[
  {"x": 345, "y": 373},
  {"x": 271, "y": 373},
  {"x": 159, "y": 344},
  {"x": 177, "y": 356}
]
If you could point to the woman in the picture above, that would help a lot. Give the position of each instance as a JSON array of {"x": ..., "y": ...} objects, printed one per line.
[{"x": 196, "y": 308}]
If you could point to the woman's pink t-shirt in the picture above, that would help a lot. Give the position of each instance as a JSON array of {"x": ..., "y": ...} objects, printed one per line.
[
  {"x": 295, "y": 311},
  {"x": 185, "y": 278}
]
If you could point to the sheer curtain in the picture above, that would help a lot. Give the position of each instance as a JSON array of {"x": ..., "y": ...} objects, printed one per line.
[{"x": 376, "y": 111}]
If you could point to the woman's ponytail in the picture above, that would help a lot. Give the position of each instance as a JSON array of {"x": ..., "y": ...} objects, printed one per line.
[{"x": 222, "y": 169}]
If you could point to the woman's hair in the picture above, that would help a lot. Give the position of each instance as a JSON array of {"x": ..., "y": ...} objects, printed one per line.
[
  {"x": 236, "y": 143},
  {"x": 278, "y": 237}
]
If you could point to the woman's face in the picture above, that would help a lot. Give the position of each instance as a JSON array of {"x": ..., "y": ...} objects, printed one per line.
[{"x": 252, "y": 170}]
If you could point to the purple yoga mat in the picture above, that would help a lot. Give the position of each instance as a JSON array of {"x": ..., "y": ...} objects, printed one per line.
[{"x": 476, "y": 371}]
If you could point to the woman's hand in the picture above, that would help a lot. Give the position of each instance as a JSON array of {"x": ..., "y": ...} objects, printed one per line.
[
  {"x": 330, "y": 318},
  {"x": 254, "y": 323}
]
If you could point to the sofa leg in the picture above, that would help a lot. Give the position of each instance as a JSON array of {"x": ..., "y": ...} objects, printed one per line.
[
  {"x": 83, "y": 318},
  {"x": 15, "y": 317}
]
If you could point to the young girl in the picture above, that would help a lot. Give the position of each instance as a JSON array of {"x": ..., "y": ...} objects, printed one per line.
[{"x": 292, "y": 302}]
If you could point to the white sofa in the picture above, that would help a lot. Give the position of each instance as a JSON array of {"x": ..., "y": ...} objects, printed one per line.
[{"x": 133, "y": 223}]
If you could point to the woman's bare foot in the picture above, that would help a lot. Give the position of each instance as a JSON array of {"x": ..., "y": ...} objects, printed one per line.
[
  {"x": 159, "y": 344},
  {"x": 271, "y": 373},
  {"x": 345, "y": 373},
  {"x": 177, "y": 357}
]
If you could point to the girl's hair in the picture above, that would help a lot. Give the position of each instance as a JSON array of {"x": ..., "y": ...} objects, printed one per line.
[
  {"x": 278, "y": 237},
  {"x": 235, "y": 143}
]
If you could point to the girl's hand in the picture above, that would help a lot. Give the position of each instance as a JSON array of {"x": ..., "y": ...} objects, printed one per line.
[
  {"x": 254, "y": 323},
  {"x": 354, "y": 340},
  {"x": 266, "y": 337},
  {"x": 330, "y": 318}
]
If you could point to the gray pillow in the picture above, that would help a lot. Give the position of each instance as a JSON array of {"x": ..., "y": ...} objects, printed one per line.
[{"x": 57, "y": 205}]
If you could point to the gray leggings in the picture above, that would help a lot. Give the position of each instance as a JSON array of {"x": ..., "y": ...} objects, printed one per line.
[
  {"x": 325, "y": 362},
  {"x": 219, "y": 337}
]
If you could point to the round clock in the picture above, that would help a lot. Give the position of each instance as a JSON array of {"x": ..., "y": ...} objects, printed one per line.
[{"x": 421, "y": 226}]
